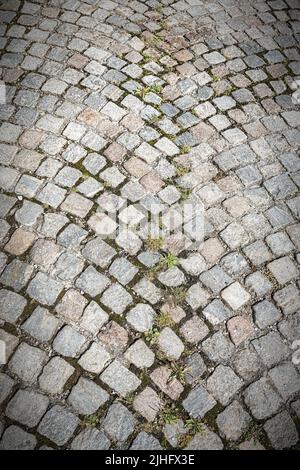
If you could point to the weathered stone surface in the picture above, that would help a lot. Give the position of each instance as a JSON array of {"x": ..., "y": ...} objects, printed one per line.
[
  {"x": 68, "y": 342},
  {"x": 233, "y": 421},
  {"x": 239, "y": 328},
  {"x": 195, "y": 368},
  {"x": 16, "y": 275},
  {"x": 174, "y": 432},
  {"x": 148, "y": 404},
  {"x": 7, "y": 384},
  {"x": 140, "y": 355},
  {"x": 41, "y": 324},
  {"x": 145, "y": 441},
  {"x": 44, "y": 289},
  {"x": 271, "y": 348},
  {"x": 27, "y": 362},
  {"x": 162, "y": 377},
  {"x": 148, "y": 291},
  {"x": 265, "y": 314},
  {"x": 283, "y": 269},
  {"x": 194, "y": 330},
  {"x": 288, "y": 299},
  {"x": 247, "y": 364},
  {"x": 116, "y": 298},
  {"x": 218, "y": 348},
  {"x": 14, "y": 438},
  {"x": 261, "y": 399},
  {"x": 71, "y": 305},
  {"x": 216, "y": 312},
  {"x": 95, "y": 358},
  {"x": 114, "y": 338},
  {"x": 173, "y": 277},
  {"x": 27, "y": 407},
  {"x": 93, "y": 318},
  {"x": 92, "y": 282},
  {"x": 205, "y": 440},
  {"x": 286, "y": 380},
  {"x": 223, "y": 384},
  {"x": 141, "y": 317},
  {"x": 235, "y": 295},
  {"x": 170, "y": 344},
  {"x": 11, "y": 305}
]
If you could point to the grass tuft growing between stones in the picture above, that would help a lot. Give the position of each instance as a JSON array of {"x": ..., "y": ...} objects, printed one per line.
[
  {"x": 170, "y": 261},
  {"x": 163, "y": 319}
]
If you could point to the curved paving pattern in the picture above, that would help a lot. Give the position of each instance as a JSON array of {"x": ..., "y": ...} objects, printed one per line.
[{"x": 138, "y": 341}]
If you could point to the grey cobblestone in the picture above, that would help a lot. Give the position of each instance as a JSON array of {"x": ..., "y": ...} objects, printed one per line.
[
  {"x": 90, "y": 439},
  {"x": 15, "y": 438},
  {"x": 42, "y": 325},
  {"x": 120, "y": 379},
  {"x": 233, "y": 421},
  {"x": 120, "y": 113},
  {"x": 281, "y": 431},
  {"x": 262, "y": 399}
]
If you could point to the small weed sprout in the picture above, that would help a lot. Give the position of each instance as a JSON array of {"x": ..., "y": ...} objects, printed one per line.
[
  {"x": 177, "y": 295},
  {"x": 154, "y": 244},
  {"x": 163, "y": 319},
  {"x": 170, "y": 261},
  {"x": 170, "y": 416}
]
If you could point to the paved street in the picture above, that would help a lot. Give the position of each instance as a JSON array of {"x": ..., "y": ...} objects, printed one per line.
[{"x": 149, "y": 224}]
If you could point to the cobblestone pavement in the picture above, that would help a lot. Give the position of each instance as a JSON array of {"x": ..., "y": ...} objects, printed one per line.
[{"x": 135, "y": 341}]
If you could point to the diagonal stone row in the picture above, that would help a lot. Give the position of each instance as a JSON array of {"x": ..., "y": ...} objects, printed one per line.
[{"x": 116, "y": 331}]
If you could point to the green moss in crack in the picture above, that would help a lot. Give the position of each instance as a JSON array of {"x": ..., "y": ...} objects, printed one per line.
[
  {"x": 169, "y": 261},
  {"x": 178, "y": 372}
]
